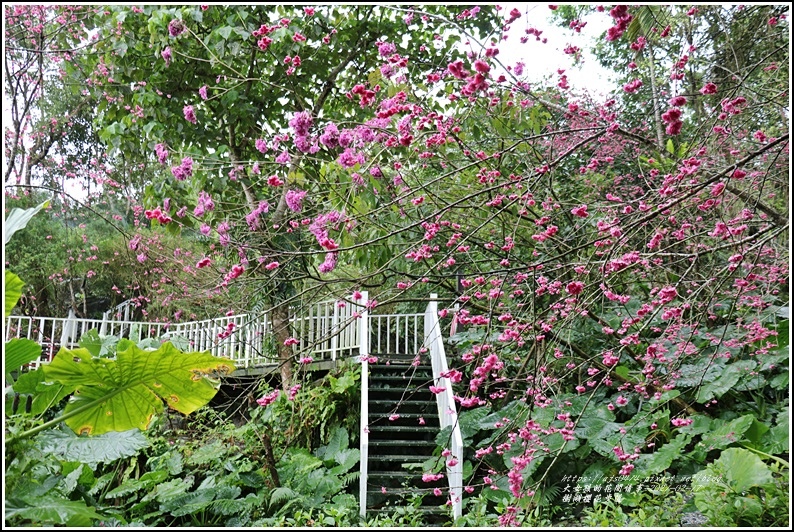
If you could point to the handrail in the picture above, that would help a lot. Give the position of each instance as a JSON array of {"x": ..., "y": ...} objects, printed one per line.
[
  {"x": 330, "y": 328},
  {"x": 364, "y": 421},
  {"x": 327, "y": 331},
  {"x": 445, "y": 400}
]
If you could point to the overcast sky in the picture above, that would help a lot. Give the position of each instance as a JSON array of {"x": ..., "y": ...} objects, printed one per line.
[{"x": 544, "y": 59}]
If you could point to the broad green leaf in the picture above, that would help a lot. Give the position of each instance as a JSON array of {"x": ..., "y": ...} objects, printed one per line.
[
  {"x": 19, "y": 218},
  {"x": 346, "y": 459},
  {"x": 95, "y": 449},
  {"x": 147, "y": 480},
  {"x": 622, "y": 371},
  {"x": 100, "y": 346},
  {"x": 724, "y": 434},
  {"x": 776, "y": 441},
  {"x": 742, "y": 469},
  {"x": 661, "y": 459},
  {"x": 125, "y": 393},
  {"x": 756, "y": 431},
  {"x": 19, "y": 352},
  {"x": 91, "y": 341},
  {"x": 339, "y": 441},
  {"x": 51, "y": 510},
  {"x": 726, "y": 380},
  {"x": 13, "y": 288},
  {"x": 45, "y": 395}
]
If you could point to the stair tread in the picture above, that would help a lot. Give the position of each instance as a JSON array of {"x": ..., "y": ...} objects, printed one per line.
[
  {"x": 405, "y": 443},
  {"x": 416, "y": 415},
  {"x": 403, "y": 428},
  {"x": 410, "y": 401},
  {"x": 406, "y": 457}
]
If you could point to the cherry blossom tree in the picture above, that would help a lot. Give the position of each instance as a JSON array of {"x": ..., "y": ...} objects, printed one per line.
[{"x": 615, "y": 267}]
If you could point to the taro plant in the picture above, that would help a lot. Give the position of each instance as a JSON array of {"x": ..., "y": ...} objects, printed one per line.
[
  {"x": 85, "y": 411},
  {"x": 740, "y": 489},
  {"x": 81, "y": 417}
]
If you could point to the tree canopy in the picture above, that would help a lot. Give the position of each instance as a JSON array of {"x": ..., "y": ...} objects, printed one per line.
[{"x": 622, "y": 259}]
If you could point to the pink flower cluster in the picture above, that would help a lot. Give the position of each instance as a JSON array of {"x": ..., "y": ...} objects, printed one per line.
[
  {"x": 263, "y": 32},
  {"x": 184, "y": 170},
  {"x": 632, "y": 86},
  {"x": 204, "y": 204},
  {"x": 157, "y": 214},
  {"x": 329, "y": 264},
  {"x": 227, "y": 332},
  {"x": 294, "y": 199},
  {"x": 672, "y": 117},
  {"x": 252, "y": 218},
  {"x": 166, "y": 53},
  {"x": 293, "y": 392},
  {"x": 268, "y": 398},
  {"x": 366, "y": 96},
  {"x": 161, "y": 152},
  {"x": 190, "y": 114},
  {"x": 622, "y": 19},
  {"x": 176, "y": 27},
  {"x": 709, "y": 88}
]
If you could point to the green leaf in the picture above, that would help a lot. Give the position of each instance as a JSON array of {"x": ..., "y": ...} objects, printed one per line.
[
  {"x": 622, "y": 371},
  {"x": 148, "y": 480},
  {"x": 91, "y": 341},
  {"x": 19, "y": 218},
  {"x": 50, "y": 510},
  {"x": 661, "y": 459},
  {"x": 18, "y": 352},
  {"x": 755, "y": 431},
  {"x": 45, "y": 395},
  {"x": 339, "y": 441},
  {"x": 726, "y": 380},
  {"x": 741, "y": 469},
  {"x": 102, "y": 346},
  {"x": 126, "y": 393},
  {"x": 95, "y": 449},
  {"x": 724, "y": 434},
  {"x": 776, "y": 441},
  {"x": 13, "y": 289}
]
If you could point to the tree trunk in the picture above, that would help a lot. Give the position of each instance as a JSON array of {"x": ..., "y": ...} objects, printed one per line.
[
  {"x": 270, "y": 460},
  {"x": 657, "y": 118}
]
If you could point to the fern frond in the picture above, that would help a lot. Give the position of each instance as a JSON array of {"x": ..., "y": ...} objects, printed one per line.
[{"x": 282, "y": 494}]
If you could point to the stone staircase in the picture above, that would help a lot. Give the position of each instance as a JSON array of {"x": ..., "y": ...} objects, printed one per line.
[{"x": 403, "y": 424}]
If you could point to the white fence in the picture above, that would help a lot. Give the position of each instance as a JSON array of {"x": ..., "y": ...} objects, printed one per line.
[{"x": 325, "y": 331}]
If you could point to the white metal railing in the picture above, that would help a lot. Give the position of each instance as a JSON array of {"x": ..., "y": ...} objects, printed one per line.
[
  {"x": 325, "y": 331},
  {"x": 121, "y": 312},
  {"x": 328, "y": 330},
  {"x": 364, "y": 422},
  {"x": 396, "y": 334},
  {"x": 52, "y": 333},
  {"x": 445, "y": 400}
]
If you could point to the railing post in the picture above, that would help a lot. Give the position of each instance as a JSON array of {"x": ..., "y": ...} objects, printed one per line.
[
  {"x": 363, "y": 351},
  {"x": 334, "y": 332},
  {"x": 445, "y": 400}
]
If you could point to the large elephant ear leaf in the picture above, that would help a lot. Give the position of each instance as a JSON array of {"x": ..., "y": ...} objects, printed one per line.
[
  {"x": 13, "y": 289},
  {"x": 18, "y": 218},
  {"x": 126, "y": 393}
]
